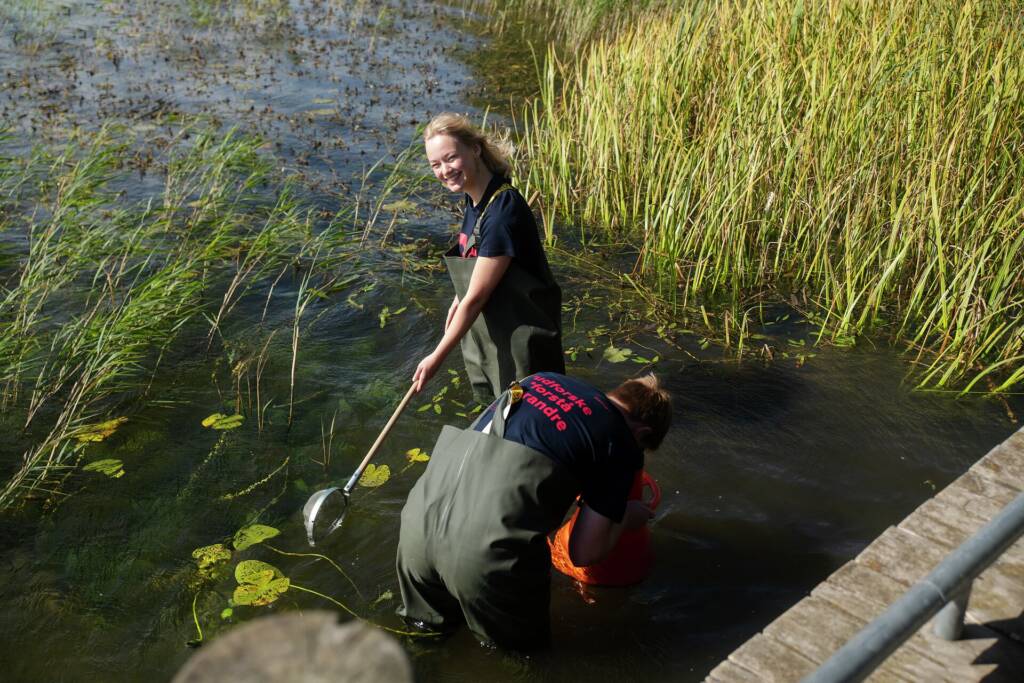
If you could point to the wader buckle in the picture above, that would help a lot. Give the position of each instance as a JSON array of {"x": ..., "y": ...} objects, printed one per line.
[{"x": 515, "y": 392}]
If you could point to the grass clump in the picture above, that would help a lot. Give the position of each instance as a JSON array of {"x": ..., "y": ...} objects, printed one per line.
[
  {"x": 100, "y": 291},
  {"x": 865, "y": 160}
]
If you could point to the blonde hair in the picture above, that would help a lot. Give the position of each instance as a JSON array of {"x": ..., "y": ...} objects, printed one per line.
[
  {"x": 494, "y": 151},
  {"x": 647, "y": 403}
]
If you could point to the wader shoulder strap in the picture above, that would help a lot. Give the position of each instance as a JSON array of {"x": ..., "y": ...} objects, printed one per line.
[
  {"x": 474, "y": 237},
  {"x": 502, "y": 409}
]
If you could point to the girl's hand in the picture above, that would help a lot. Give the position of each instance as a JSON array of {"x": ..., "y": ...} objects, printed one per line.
[
  {"x": 451, "y": 313},
  {"x": 427, "y": 368}
]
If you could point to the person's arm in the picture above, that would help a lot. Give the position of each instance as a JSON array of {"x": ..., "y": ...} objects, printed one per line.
[
  {"x": 594, "y": 535},
  {"x": 487, "y": 273},
  {"x": 451, "y": 311}
]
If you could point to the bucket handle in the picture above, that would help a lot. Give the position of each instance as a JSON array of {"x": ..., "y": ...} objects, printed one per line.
[{"x": 649, "y": 483}]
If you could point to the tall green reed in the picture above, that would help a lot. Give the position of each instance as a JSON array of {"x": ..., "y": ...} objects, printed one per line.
[
  {"x": 103, "y": 291},
  {"x": 865, "y": 157}
]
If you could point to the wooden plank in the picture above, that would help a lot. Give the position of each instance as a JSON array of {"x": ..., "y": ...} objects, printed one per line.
[
  {"x": 730, "y": 672},
  {"x": 912, "y": 662},
  {"x": 859, "y": 579},
  {"x": 987, "y": 484},
  {"x": 963, "y": 500},
  {"x": 901, "y": 555},
  {"x": 998, "y": 596},
  {"x": 1006, "y": 461},
  {"x": 920, "y": 658},
  {"x": 946, "y": 537},
  {"x": 973, "y": 657},
  {"x": 964, "y": 523},
  {"x": 814, "y": 628},
  {"x": 771, "y": 661}
]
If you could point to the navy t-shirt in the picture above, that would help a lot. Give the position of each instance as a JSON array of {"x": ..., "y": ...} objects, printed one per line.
[
  {"x": 576, "y": 425},
  {"x": 507, "y": 228}
]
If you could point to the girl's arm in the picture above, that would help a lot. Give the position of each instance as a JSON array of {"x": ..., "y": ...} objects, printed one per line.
[
  {"x": 487, "y": 273},
  {"x": 451, "y": 311},
  {"x": 594, "y": 535}
]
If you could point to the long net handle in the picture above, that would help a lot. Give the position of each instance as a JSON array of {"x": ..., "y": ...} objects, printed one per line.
[{"x": 380, "y": 439}]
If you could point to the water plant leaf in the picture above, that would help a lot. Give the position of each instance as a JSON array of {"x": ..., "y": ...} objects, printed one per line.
[
  {"x": 400, "y": 205},
  {"x": 417, "y": 455},
  {"x": 374, "y": 476},
  {"x": 221, "y": 421},
  {"x": 386, "y": 313},
  {"x": 226, "y": 613},
  {"x": 383, "y": 597},
  {"x": 98, "y": 432},
  {"x": 253, "y": 534},
  {"x": 109, "y": 466},
  {"x": 424, "y": 407},
  {"x": 210, "y": 555},
  {"x": 616, "y": 355},
  {"x": 256, "y": 573},
  {"x": 259, "y": 583}
]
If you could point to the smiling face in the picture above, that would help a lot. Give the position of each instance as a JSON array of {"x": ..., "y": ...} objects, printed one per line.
[{"x": 455, "y": 164}]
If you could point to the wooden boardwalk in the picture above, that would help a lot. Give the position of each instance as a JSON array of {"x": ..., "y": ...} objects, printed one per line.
[{"x": 992, "y": 648}]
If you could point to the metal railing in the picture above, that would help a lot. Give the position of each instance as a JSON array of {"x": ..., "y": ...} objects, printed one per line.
[{"x": 945, "y": 591}]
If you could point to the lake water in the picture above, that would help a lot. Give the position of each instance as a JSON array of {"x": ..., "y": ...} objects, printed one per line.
[{"x": 773, "y": 475}]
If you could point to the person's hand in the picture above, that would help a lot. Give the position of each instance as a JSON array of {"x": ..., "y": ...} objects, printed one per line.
[
  {"x": 637, "y": 514},
  {"x": 427, "y": 368},
  {"x": 451, "y": 313}
]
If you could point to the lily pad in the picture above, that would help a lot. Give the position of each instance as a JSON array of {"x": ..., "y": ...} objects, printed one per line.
[
  {"x": 209, "y": 555},
  {"x": 259, "y": 583},
  {"x": 616, "y": 355},
  {"x": 253, "y": 534},
  {"x": 109, "y": 466},
  {"x": 221, "y": 421},
  {"x": 98, "y": 432},
  {"x": 375, "y": 476},
  {"x": 417, "y": 455}
]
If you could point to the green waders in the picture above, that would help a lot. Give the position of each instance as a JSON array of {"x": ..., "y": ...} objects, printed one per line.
[
  {"x": 473, "y": 543},
  {"x": 519, "y": 331}
]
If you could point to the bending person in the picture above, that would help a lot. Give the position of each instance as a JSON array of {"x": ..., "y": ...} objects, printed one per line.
[
  {"x": 507, "y": 307},
  {"x": 473, "y": 541}
]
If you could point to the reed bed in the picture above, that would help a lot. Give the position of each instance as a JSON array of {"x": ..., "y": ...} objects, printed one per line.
[
  {"x": 864, "y": 160},
  {"x": 102, "y": 291}
]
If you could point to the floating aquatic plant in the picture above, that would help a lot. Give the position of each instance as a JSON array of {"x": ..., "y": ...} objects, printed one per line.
[
  {"x": 110, "y": 467},
  {"x": 616, "y": 355},
  {"x": 259, "y": 583},
  {"x": 99, "y": 432},
  {"x": 221, "y": 421},
  {"x": 416, "y": 455},
  {"x": 375, "y": 475},
  {"x": 251, "y": 535},
  {"x": 211, "y": 555}
]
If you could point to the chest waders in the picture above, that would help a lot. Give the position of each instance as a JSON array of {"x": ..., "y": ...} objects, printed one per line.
[
  {"x": 473, "y": 542},
  {"x": 519, "y": 331}
]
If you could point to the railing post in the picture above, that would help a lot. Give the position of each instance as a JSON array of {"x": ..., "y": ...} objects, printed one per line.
[{"x": 949, "y": 622}]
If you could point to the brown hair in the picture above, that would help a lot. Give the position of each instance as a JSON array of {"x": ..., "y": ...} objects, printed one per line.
[
  {"x": 648, "y": 404},
  {"x": 494, "y": 151}
]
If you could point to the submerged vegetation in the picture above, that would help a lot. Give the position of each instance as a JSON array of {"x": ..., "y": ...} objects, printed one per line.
[
  {"x": 101, "y": 291},
  {"x": 862, "y": 162}
]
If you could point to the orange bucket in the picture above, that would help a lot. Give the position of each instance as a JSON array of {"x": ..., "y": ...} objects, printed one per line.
[{"x": 631, "y": 559}]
